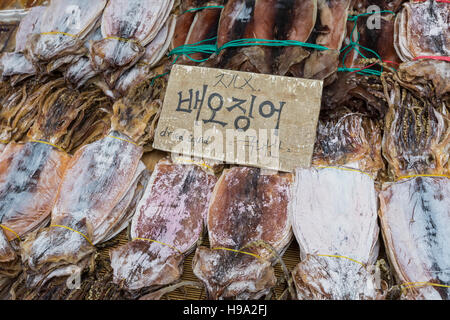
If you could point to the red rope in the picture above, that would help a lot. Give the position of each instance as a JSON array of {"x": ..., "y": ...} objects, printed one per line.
[
  {"x": 442, "y": 1},
  {"x": 434, "y": 58},
  {"x": 364, "y": 68},
  {"x": 391, "y": 62}
]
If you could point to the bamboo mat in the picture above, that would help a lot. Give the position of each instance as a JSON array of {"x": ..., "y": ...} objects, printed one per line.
[{"x": 291, "y": 258}]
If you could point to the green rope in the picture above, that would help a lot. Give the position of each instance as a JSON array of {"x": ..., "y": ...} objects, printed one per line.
[
  {"x": 198, "y": 47},
  {"x": 354, "y": 45},
  {"x": 210, "y": 48},
  {"x": 361, "y": 71},
  {"x": 158, "y": 76},
  {"x": 202, "y": 8},
  {"x": 270, "y": 43}
]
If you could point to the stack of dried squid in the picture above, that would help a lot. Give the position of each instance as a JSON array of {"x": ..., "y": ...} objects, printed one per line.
[
  {"x": 334, "y": 211},
  {"x": 250, "y": 214},
  {"x": 318, "y": 22},
  {"x": 166, "y": 227},
  {"x": 95, "y": 199},
  {"x": 414, "y": 212},
  {"x": 196, "y": 26},
  {"x": 248, "y": 229},
  {"x": 31, "y": 173},
  {"x": 130, "y": 30},
  {"x": 83, "y": 40},
  {"x": 15, "y": 66}
]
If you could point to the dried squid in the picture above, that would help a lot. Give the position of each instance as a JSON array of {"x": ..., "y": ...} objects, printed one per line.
[
  {"x": 415, "y": 220},
  {"x": 348, "y": 139},
  {"x": 72, "y": 117},
  {"x": 417, "y": 129},
  {"x": 334, "y": 218},
  {"x": 19, "y": 107},
  {"x": 422, "y": 29},
  {"x": 9, "y": 265},
  {"x": 100, "y": 189},
  {"x": 15, "y": 64},
  {"x": 167, "y": 225},
  {"x": 79, "y": 72},
  {"x": 304, "y": 15},
  {"x": 414, "y": 210},
  {"x": 233, "y": 19},
  {"x": 60, "y": 39},
  {"x": 203, "y": 26},
  {"x": 332, "y": 15},
  {"x": 154, "y": 52},
  {"x": 127, "y": 28},
  {"x": 184, "y": 22},
  {"x": 31, "y": 173},
  {"x": 334, "y": 211},
  {"x": 248, "y": 19},
  {"x": 9, "y": 22},
  {"x": 248, "y": 228},
  {"x": 368, "y": 34}
]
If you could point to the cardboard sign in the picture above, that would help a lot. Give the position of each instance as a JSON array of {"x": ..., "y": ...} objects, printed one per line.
[{"x": 242, "y": 118}]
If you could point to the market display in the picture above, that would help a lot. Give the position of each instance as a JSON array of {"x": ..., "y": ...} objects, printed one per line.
[{"x": 86, "y": 195}]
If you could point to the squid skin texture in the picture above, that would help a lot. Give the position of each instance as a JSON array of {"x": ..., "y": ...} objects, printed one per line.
[
  {"x": 30, "y": 176},
  {"x": 415, "y": 220}
]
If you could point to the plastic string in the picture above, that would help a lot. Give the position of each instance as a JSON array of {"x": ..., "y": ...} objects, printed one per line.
[
  {"x": 343, "y": 257},
  {"x": 409, "y": 285},
  {"x": 48, "y": 143},
  {"x": 354, "y": 45},
  {"x": 202, "y": 8},
  {"x": 197, "y": 47},
  {"x": 189, "y": 161},
  {"x": 370, "y": 65},
  {"x": 11, "y": 230},
  {"x": 442, "y": 58},
  {"x": 156, "y": 241},
  {"x": 200, "y": 47},
  {"x": 68, "y": 228},
  {"x": 391, "y": 62},
  {"x": 121, "y": 139},
  {"x": 423, "y": 175},
  {"x": 270, "y": 43},
  {"x": 203, "y": 47},
  {"x": 238, "y": 251},
  {"x": 441, "y": 1},
  {"x": 158, "y": 76},
  {"x": 122, "y": 39},
  {"x": 59, "y": 33},
  {"x": 346, "y": 169}
]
